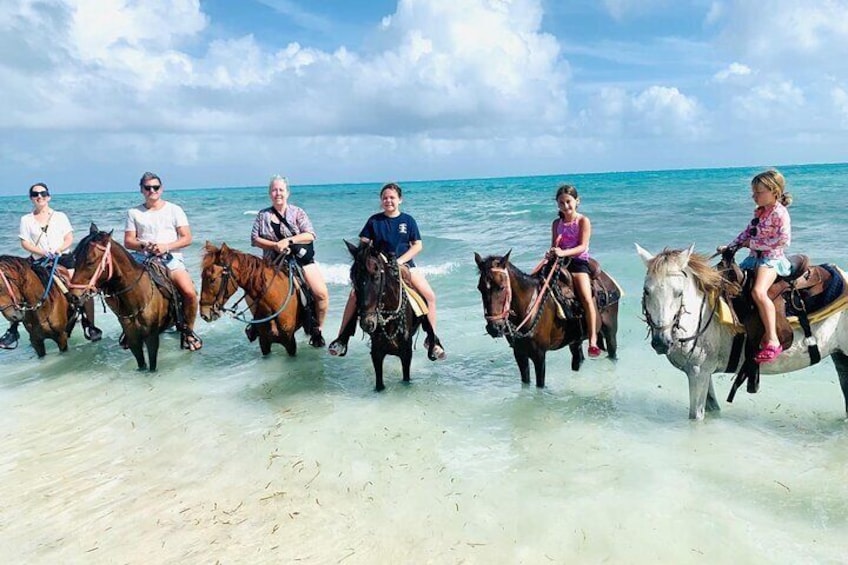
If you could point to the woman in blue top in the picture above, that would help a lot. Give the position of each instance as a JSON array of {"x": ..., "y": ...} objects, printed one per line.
[{"x": 393, "y": 233}]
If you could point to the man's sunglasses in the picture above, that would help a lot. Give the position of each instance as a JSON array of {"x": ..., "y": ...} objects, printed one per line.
[{"x": 151, "y": 187}]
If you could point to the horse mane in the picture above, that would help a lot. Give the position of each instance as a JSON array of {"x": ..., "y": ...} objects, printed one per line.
[
  {"x": 708, "y": 279},
  {"x": 497, "y": 262},
  {"x": 253, "y": 267}
]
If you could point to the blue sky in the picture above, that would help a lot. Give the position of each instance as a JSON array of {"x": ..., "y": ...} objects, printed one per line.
[{"x": 226, "y": 93}]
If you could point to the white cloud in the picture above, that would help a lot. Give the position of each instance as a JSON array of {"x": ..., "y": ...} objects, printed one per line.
[
  {"x": 732, "y": 70},
  {"x": 778, "y": 100}
]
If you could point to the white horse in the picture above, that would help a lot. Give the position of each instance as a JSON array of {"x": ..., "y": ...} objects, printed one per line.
[{"x": 678, "y": 304}]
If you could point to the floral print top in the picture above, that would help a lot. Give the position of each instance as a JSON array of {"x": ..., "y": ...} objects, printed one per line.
[{"x": 769, "y": 232}]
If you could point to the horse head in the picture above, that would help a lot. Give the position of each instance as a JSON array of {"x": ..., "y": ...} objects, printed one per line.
[
  {"x": 677, "y": 285},
  {"x": 376, "y": 282},
  {"x": 11, "y": 301},
  {"x": 218, "y": 283},
  {"x": 93, "y": 265},
  {"x": 496, "y": 290}
]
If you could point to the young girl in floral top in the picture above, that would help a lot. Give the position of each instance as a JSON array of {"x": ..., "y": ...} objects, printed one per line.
[{"x": 768, "y": 234}]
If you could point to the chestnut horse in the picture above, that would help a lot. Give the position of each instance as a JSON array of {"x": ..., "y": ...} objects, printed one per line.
[
  {"x": 102, "y": 265},
  {"x": 22, "y": 299},
  {"x": 521, "y": 308},
  {"x": 273, "y": 301},
  {"x": 384, "y": 310}
]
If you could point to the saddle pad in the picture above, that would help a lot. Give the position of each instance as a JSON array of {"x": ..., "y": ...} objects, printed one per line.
[
  {"x": 419, "y": 305},
  {"x": 60, "y": 284},
  {"x": 841, "y": 303}
]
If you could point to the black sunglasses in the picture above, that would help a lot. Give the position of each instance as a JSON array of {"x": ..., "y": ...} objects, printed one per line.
[
  {"x": 151, "y": 187},
  {"x": 37, "y": 193},
  {"x": 752, "y": 231}
]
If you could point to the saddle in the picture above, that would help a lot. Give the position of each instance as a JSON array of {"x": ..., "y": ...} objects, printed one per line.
[
  {"x": 807, "y": 294},
  {"x": 605, "y": 290}
]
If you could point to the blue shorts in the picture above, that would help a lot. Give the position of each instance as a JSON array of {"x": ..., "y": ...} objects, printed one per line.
[
  {"x": 174, "y": 264},
  {"x": 782, "y": 265}
]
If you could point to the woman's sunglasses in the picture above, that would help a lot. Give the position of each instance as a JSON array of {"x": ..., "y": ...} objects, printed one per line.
[
  {"x": 39, "y": 194},
  {"x": 752, "y": 231}
]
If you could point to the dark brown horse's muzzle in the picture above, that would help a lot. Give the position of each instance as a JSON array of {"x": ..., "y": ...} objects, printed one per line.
[{"x": 495, "y": 328}]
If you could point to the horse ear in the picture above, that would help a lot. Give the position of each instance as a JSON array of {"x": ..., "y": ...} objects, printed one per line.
[
  {"x": 684, "y": 256},
  {"x": 93, "y": 229},
  {"x": 643, "y": 253},
  {"x": 351, "y": 247},
  {"x": 506, "y": 257},
  {"x": 478, "y": 260}
]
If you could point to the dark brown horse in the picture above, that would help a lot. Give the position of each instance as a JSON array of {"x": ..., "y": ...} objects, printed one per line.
[
  {"x": 385, "y": 310},
  {"x": 102, "y": 265},
  {"x": 275, "y": 304},
  {"x": 22, "y": 299},
  {"x": 522, "y": 308}
]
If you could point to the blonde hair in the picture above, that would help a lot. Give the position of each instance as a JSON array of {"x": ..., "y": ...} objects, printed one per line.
[{"x": 773, "y": 180}]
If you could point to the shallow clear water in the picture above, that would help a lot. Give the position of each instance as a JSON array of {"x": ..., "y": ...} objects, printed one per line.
[{"x": 226, "y": 456}]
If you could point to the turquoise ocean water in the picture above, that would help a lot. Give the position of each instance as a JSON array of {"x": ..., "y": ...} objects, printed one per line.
[{"x": 226, "y": 455}]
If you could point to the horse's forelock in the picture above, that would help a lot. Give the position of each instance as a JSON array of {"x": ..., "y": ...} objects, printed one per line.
[
  {"x": 669, "y": 261},
  {"x": 210, "y": 256}
]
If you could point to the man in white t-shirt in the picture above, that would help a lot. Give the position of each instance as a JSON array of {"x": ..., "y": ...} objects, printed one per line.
[{"x": 161, "y": 228}]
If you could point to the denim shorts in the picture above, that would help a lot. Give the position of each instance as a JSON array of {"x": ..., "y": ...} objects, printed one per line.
[
  {"x": 174, "y": 264},
  {"x": 782, "y": 265}
]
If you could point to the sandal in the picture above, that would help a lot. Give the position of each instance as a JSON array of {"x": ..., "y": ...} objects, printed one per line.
[
  {"x": 92, "y": 333},
  {"x": 436, "y": 352},
  {"x": 768, "y": 353},
  {"x": 338, "y": 348},
  {"x": 594, "y": 351},
  {"x": 10, "y": 338},
  {"x": 191, "y": 341}
]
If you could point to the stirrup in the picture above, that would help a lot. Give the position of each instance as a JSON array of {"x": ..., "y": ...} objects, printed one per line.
[
  {"x": 250, "y": 332},
  {"x": 317, "y": 340},
  {"x": 435, "y": 352}
]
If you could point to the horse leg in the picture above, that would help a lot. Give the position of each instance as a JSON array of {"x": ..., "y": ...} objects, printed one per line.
[
  {"x": 264, "y": 343},
  {"x": 406, "y": 361},
  {"x": 609, "y": 330},
  {"x": 38, "y": 345},
  {"x": 62, "y": 341},
  {"x": 699, "y": 386},
  {"x": 523, "y": 362},
  {"x": 712, "y": 401},
  {"x": 377, "y": 360},
  {"x": 137, "y": 348},
  {"x": 840, "y": 360},
  {"x": 538, "y": 357},
  {"x": 576, "y": 356},
  {"x": 152, "y": 343}
]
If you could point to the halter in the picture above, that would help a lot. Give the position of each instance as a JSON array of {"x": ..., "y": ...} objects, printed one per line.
[{"x": 10, "y": 290}]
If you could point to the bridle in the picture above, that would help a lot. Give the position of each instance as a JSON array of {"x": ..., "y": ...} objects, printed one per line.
[
  {"x": 381, "y": 314},
  {"x": 534, "y": 313},
  {"x": 674, "y": 325},
  {"x": 227, "y": 278}
]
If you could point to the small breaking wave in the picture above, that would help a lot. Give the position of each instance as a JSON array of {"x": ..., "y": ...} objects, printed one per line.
[{"x": 338, "y": 273}]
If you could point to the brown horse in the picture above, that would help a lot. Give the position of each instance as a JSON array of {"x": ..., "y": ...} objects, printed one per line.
[
  {"x": 384, "y": 310},
  {"x": 521, "y": 308},
  {"x": 102, "y": 265},
  {"x": 22, "y": 299},
  {"x": 275, "y": 303}
]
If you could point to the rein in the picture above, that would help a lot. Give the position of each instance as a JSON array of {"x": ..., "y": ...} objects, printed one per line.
[
  {"x": 227, "y": 278},
  {"x": 535, "y": 310},
  {"x": 10, "y": 290}
]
